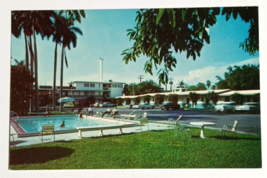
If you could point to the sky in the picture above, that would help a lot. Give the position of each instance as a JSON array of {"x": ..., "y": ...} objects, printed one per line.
[{"x": 105, "y": 35}]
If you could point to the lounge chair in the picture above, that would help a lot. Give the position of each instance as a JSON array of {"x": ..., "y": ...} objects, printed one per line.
[
  {"x": 170, "y": 120},
  {"x": 12, "y": 135},
  {"x": 180, "y": 128},
  {"x": 47, "y": 130},
  {"x": 233, "y": 129},
  {"x": 142, "y": 120}
]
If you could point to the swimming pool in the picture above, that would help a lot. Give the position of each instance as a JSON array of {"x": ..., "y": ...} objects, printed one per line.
[{"x": 34, "y": 124}]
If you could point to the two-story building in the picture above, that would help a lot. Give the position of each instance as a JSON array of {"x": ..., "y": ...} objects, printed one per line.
[{"x": 82, "y": 90}]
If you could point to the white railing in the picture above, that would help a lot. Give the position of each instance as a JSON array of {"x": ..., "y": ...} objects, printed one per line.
[{"x": 13, "y": 112}]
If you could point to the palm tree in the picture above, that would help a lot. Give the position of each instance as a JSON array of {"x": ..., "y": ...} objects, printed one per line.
[
  {"x": 181, "y": 84},
  {"x": 32, "y": 23},
  {"x": 68, "y": 37},
  {"x": 194, "y": 97},
  {"x": 72, "y": 15},
  {"x": 208, "y": 83},
  {"x": 57, "y": 35}
]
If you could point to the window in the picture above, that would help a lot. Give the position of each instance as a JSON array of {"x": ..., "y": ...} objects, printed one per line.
[
  {"x": 86, "y": 93},
  {"x": 92, "y": 85},
  {"x": 92, "y": 93},
  {"x": 86, "y": 85},
  {"x": 119, "y": 85}
]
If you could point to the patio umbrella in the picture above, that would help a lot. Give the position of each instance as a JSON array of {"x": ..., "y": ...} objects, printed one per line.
[{"x": 65, "y": 99}]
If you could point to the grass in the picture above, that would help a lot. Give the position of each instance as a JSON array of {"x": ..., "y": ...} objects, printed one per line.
[{"x": 153, "y": 149}]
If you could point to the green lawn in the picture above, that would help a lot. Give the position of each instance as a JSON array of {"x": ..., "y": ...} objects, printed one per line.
[{"x": 153, "y": 149}]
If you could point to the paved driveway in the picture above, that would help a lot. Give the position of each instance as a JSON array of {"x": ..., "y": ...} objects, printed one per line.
[{"x": 249, "y": 123}]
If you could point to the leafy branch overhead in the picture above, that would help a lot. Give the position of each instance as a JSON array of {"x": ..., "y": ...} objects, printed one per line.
[{"x": 160, "y": 31}]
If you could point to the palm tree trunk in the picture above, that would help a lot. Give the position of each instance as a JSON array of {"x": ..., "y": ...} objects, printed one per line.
[
  {"x": 27, "y": 64},
  {"x": 61, "y": 75},
  {"x": 36, "y": 74},
  {"x": 31, "y": 71},
  {"x": 55, "y": 77},
  {"x": 27, "y": 52}
]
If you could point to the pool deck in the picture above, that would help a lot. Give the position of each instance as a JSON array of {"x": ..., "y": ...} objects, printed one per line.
[{"x": 25, "y": 141}]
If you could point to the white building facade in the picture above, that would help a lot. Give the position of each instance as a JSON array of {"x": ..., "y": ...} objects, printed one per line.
[
  {"x": 82, "y": 90},
  {"x": 184, "y": 99}
]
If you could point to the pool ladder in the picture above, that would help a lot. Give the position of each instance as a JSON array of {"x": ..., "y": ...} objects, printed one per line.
[{"x": 13, "y": 112}]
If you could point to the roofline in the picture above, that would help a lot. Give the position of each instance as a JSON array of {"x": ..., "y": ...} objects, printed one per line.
[{"x": 97, "y": 82}]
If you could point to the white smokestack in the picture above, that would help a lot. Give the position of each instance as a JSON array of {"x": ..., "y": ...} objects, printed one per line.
[{"x": 101, "y": 69}]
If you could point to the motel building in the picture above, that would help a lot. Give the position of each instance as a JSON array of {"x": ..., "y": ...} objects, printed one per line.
[
  {"x": 184, "y": 100},
  {"x": 82, "y": 91}
]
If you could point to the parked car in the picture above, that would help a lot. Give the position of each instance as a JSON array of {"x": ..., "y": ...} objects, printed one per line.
[
  {"x": 169, "y": 105},
  {"x": 252, "y": 107},
  {"x": 146, "y": 106},
  {"x": 106, "y": 104},
  {"x": 129, "y": 106},
  {"x": 135, "y": 106},
  {"x": 225, "y": 107},
  {"x": 96, "y": 105}
]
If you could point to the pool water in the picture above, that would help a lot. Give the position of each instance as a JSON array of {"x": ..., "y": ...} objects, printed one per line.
[{"x": 32, "y": 125}]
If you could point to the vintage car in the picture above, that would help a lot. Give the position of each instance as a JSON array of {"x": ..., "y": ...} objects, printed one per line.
[
  {"x": 252, "y": 107},
  {"x": 96, "y": 105},
  {"x": 145, "y": 106},
  {"x": 225, "y": 107},
  {"x": 169, "y": 106},
  {"x": 106, "y": 104}
]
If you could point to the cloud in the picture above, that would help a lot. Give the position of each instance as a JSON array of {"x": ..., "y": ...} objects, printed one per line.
[{"x": 209, "y": 73}]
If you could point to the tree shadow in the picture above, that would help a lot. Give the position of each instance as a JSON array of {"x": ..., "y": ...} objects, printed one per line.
[
  {"x": 234, "y": 138},
  {"x": 37, "y": 155},
  {"x": 16, "y": 143},
  {"x": 108, "y": 136}
]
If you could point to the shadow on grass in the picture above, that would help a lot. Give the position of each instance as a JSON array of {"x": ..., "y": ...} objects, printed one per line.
[
  {"x": 234, "y": 138},
  {"x": 16, "y": 143},
  {"x": 38, "y": 155},
  {"x": 109, "y": 136}
]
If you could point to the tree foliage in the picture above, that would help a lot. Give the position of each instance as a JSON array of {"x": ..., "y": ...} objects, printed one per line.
[
  {"x": 238, "y": 98},
  {"x": 181, "y": 84},
  {"x": 249, "y": 15},
  {"x": 147, "y": 99},
  {"x": 173, "y": 98},
  {"x": 245, "y": 77},
  {"x": 199, "y": 86},
  {"x": 159, "y": 31},
  {"x": 208, "y": 84},
  {"x": 141, "y": 88},
  {"x": 159, "y": 98},
  {"x": 194, "y": 97},
  {"x": 20, "y": 90},
  {"x": 214, "y": 97},
  {"x": 137, "y": 100}
]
